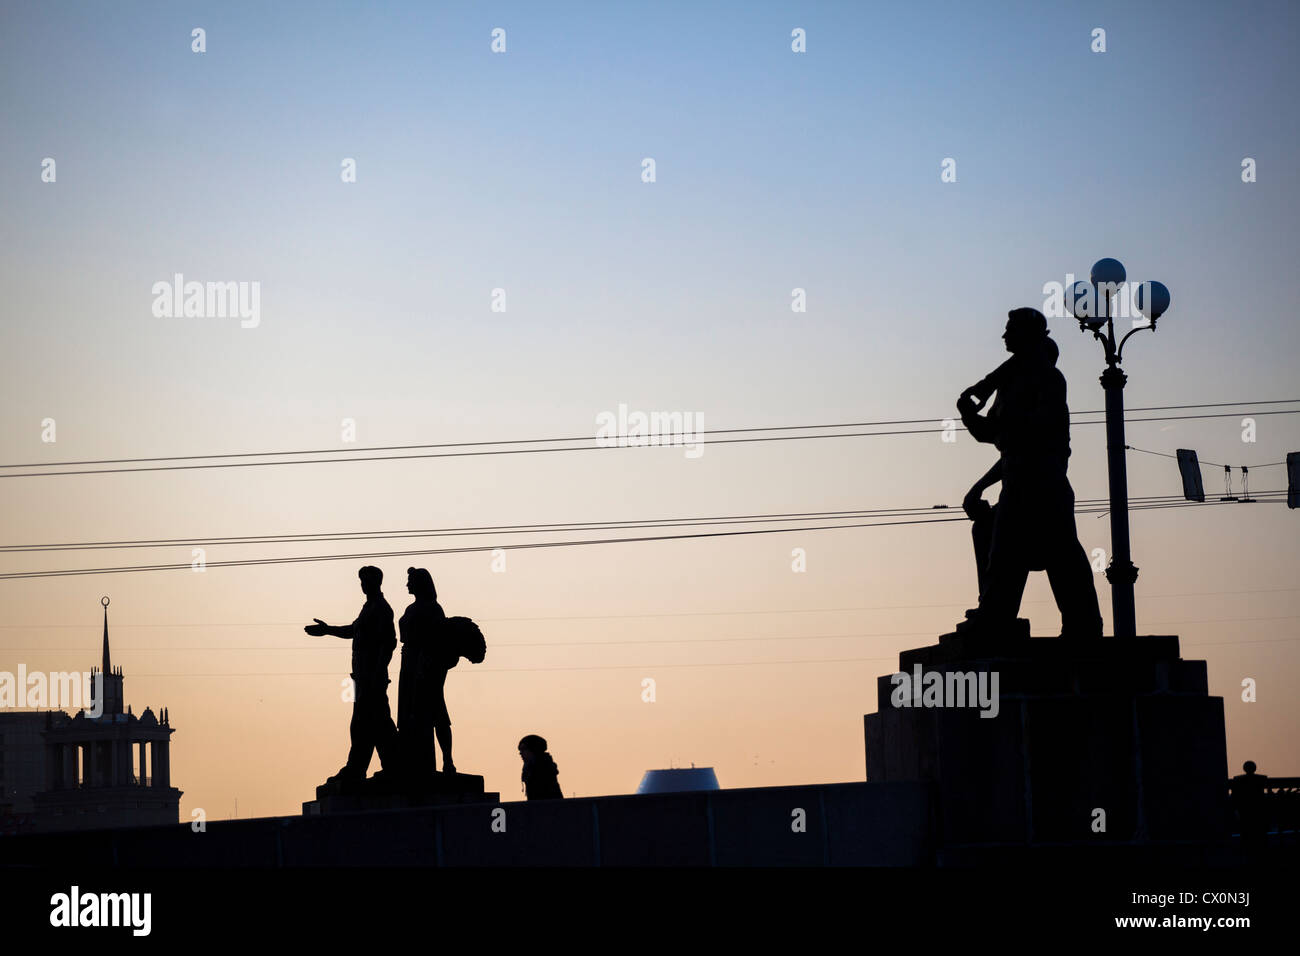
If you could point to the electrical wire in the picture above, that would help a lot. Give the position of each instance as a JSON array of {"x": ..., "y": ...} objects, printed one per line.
[
  {"x": 613, "y": 524},
  {"x": 299, "y": 559},
  {"x": 621, "y": 442}
]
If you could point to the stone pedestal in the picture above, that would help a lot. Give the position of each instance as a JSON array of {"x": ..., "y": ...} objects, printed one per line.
[
  {"x": 1124, "y": 727},
  {"x": 380, "y": 793}
]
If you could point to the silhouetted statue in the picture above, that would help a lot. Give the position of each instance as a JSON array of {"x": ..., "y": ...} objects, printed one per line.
[
  {"x": 541, "y": 776},
  {"x": 1249, "y": 801},
  {"x": 982, "y": 516},
  {"x": 426, "y": 656},
  {"x": 373, "y": 640},
  {"x": 1033, "y": 523}
]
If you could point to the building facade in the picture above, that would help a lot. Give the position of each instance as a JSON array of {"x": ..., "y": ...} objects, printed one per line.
[{"x": 83, "y": 772}]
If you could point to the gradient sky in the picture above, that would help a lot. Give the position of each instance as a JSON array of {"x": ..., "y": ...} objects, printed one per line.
[{"x": 521, "y": 171}]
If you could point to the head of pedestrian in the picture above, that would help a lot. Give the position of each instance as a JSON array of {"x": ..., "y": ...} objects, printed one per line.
[
  {"x": 531, "y": 746},
  {"x": 420, "y": 583},
  {"x": 1026, "y": 330},
  {"x": 371, "y": 579}
]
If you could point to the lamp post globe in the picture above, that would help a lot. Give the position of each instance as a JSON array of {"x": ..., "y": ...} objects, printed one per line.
[
  {"x": 1152, "y": 300},
  {"x": 1106, "y": 271}
]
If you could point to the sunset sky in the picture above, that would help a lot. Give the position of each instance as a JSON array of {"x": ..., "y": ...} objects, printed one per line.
[{"x": 522, "y": 171}]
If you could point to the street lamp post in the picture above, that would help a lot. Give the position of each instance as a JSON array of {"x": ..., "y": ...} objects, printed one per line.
[{"x": 1093, "y": 304}]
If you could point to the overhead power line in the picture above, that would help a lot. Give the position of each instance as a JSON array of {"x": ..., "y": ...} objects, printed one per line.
[
  {"x": 526, "y": 441},
  {"x": 1202, "y": 462},
  {"x": 299, "y": 559},
  {"x": 491, "y": 448},
  {"x": 331, "y": 647},
  {"x": 695, "y": 664},
  {"x": 623, "y": 615},
  {"x": 536, "y": 528},
  {"x": 252, "y": 562}
]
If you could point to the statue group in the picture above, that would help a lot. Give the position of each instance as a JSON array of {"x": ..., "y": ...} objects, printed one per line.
[
  {"x": 432, "y": 643},
  {"x": 429, "y": 650}
]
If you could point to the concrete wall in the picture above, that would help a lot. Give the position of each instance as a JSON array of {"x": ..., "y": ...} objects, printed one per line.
[{"x": 847, "y": 824}]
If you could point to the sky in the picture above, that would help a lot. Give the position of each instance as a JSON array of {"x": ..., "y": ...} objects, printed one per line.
[{"x": 522, "y": 171}]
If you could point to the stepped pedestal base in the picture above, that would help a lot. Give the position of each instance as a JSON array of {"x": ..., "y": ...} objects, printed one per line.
[
  {"x": 1046, "y": 740},
  {"x": 380, "y": 793}
]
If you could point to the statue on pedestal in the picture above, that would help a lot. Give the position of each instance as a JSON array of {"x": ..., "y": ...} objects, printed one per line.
[
  {"x": 427, "y": 653},
  {"x": 1032, "y": 527},
  {"x": 373, "y": 640}
]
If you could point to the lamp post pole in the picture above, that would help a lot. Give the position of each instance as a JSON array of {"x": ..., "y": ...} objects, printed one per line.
[
  {"x": 1121, "y": 573},
  {"x": 1094, "y": 308}
]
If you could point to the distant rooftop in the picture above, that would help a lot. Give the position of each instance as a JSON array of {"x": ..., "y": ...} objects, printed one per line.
[{"x": 678, "y": 780}]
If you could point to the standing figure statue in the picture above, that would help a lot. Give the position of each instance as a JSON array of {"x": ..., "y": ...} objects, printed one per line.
[
  {"x": 427, "y": 654},
  {"x": 1032, "y": 526},
  {"x": 373, "y": 640}
]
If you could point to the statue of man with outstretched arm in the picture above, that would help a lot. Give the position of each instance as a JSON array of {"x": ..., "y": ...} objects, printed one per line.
[{"x": 373, "y": 640}]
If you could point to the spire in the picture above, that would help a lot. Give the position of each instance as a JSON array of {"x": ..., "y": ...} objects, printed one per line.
[
  {"x": 110, "y": 680},
  {"x": 107, "y": 667}
]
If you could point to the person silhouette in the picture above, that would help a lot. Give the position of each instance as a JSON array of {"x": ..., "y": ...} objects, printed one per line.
[
  {"x": 1033, "y": 523},
  {"x": 426, "y": 657},
  {"x": 541, "y": 777},
  {"x": 1248, "y": 800},
  {"x": 373, "y": 640}
]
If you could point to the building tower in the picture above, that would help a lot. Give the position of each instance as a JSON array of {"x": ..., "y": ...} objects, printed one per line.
[
  {"x": 103, "y": 766},
  {"x": 110, "y": 681}
]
